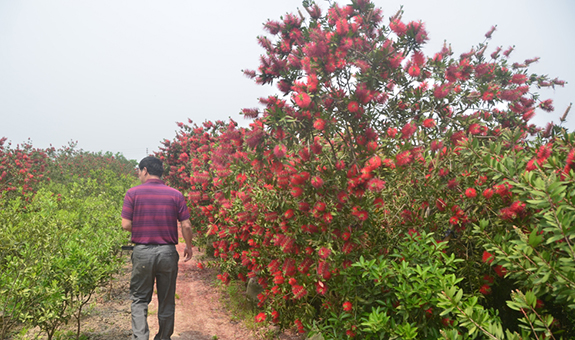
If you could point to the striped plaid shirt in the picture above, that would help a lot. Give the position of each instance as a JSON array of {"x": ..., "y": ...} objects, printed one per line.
[{"x": 154, "y": 209}]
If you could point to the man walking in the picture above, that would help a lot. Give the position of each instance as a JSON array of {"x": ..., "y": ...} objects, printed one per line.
[{"x": 151, "y": 213}]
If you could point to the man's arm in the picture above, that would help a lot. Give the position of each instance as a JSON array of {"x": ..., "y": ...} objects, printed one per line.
[
  {"x": 127, "y": 224},
  {"x": 187, "y": 233}
]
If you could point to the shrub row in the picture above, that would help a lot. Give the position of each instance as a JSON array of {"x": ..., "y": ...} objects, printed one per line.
[{"x": 388, "y": 194}]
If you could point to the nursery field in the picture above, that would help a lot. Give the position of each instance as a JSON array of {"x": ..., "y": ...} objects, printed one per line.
[{"x": 384, "y": 194}]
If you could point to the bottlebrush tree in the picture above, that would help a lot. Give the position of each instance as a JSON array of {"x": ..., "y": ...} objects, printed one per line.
[
  {"x": 22, "y": 169},
  {"x": 373, "y": 145}
]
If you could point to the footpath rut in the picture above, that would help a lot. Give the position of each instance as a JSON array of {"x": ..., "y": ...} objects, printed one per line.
[{"x": 200, "y": 314}]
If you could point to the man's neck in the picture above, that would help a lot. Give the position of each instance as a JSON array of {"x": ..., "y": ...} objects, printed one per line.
[{"x": 149, "y": 177}]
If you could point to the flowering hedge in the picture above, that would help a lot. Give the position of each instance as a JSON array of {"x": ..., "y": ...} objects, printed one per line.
[
  {"x": 377, "y": 154},
  {"x": 25, "y": 168}
]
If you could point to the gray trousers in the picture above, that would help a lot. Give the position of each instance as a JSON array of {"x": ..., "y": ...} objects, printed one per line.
[{"x": 151, "y": 263}]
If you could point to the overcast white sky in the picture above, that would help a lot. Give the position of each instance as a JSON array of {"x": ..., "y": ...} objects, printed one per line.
[{"x": 116, "y": 75}]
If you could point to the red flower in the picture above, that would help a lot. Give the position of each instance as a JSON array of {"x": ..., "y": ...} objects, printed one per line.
[
  {"x": 319, "y": 124},
  {"x": 518, "y": 79},
  {"x": 302, "y": 100},
  {"x": 303, "y": 206},
  {"x": 289, "y": 267},
  {"x": 348, "y": 247},
  {"x": 454, "y": 220},
  {"x": 376, "y": 185},
  {"x": 436, "y": 145},
  {"x": 470, "y": 193},
  {"x": 296, "y": 191},
  {"x": 327, "y": 217},
  {"x": 323, "y": 270},
  {"x": 298, "y": 291},
  {"x": 440, "y": 204},
  {"x": 452, "y": 183},
  {"x": 487, "y": 257},
  {"x": 446, "y": 322},
  {"x": 490, "y": 32},
  {"x": 299, "y": 326},
  {"x": 488, "y": 279},
  {"x": 500, "y": 270},
  {"x": 275, "y": 316},
  {"x": 392, "y": 132},
  {"x": 317, "y": 182},
  {"x": 316, "y": 148},
  {"x": 320, "y": 206},
  {"x": 353, "y": 107},
  {"x": 373, "y": 163},
  {"x": 361, "y": 214},
  {"x": 279, "y": 279},
  {"x": 347, "y": 306},
  {"x": 303, "y": 267},
  {"x": 261, "y": 317},
  {"x": 184, "y": 157},
  {"x": 570, "y": 162},
  {"x": 487, "y": 193},
  {"x": 441, "y": 91},
  {"x": 289, "y": 213},
  {"x": 398, "y": 27},
  {"x": 404, "y": 158},
  {"x": 408, "y": 130},
  {"x": 324, "y": 252},
  {"x": 544, "y": 152},
  {"x": 485, "y": 289},
  {"x": 547, "y": 105},
  {"x": 429, "y": 123},
  {"x": 280, "y": 151}
]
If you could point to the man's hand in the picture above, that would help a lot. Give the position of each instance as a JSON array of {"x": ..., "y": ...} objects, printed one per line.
[
  {"x": 126, "y": 224},
  {"x": 186, "y": 226},
  {"x": 188, "y": 252}
]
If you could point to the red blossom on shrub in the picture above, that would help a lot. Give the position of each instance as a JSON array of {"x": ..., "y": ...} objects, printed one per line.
[
  {"x": 323, "y": 270},
  {"x": 487, "y": 257},
  {"x": 353, "y": 107},
  {"x": 324, "y": 252},
  {"x": 488, "y": 278},
  {"x": 347, "y": 306},
  {"x": 404, "y": 158},
  {"x": 485, "y": 289},
  {"x": 317, "y": 182},
  {"x": 470, "y": 193},
  {"x": 319, "y": 124},
  {"x": 500, "y": 270},
  {"x": 408, "y": 130},
  {"x": 261, "y": 317},
  {"x": 488, "y": 193},
  {"x": 299, "y": 292},
  {"x": 321, "y": 288},
  {"x": 302, "y": 100}
]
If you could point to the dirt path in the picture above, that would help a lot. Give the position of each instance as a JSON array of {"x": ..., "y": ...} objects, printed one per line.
[{"x": 200, "y": 314}]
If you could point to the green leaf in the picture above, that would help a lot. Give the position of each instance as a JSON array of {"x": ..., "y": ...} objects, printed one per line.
[{"x": 535, "y": 239}]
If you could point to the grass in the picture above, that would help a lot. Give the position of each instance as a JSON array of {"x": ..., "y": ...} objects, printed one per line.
[{"x": 234, "y": 299}]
